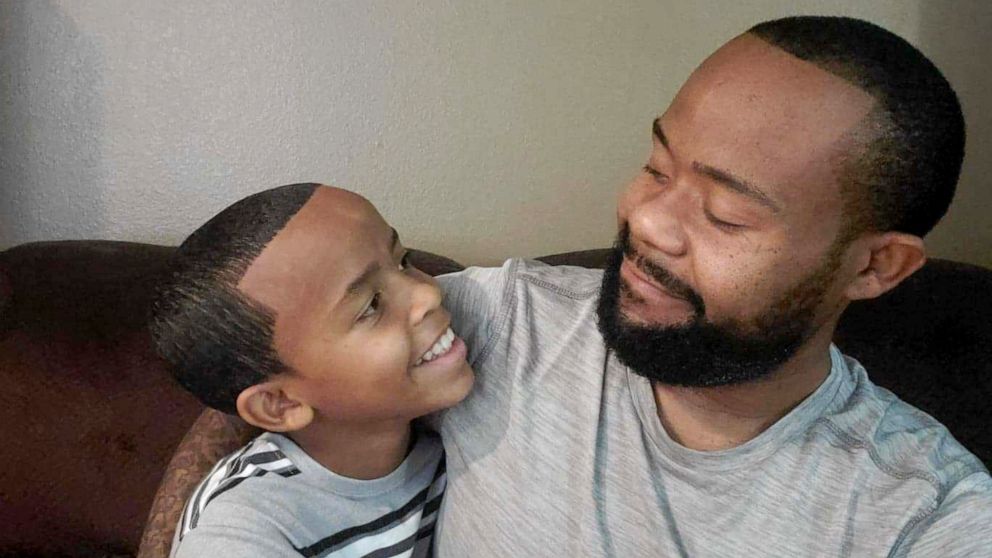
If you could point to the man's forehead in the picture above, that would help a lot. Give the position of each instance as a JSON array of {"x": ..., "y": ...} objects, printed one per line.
[
  {"x": 762, "y": 87},
  {"x": 755, "y": 110}
]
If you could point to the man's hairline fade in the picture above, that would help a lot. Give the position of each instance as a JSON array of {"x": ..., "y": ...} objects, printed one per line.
[
  {"x": 875, "y": 141},
  {"x": 854, "y": 144}
]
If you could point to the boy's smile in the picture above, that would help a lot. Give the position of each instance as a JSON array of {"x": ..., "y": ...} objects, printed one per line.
[
  {"x": 363, "y": 332},
  {"x": 447, "y": 345}
]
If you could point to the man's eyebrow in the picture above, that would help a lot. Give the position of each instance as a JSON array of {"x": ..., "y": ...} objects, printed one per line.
[
  {"x": 736, "y": 184},
  {"x": 395, "y": 240},
  {"x": 659, "y": 133},
  {"x": 722, "y": 177}
]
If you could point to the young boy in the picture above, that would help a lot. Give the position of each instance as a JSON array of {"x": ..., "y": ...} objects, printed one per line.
[{"x": 296, "y": 309}]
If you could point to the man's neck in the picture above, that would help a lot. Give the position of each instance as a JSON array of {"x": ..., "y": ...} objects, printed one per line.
[
  {"x": 718, "y": 418},
  {"x": 362, "y": 451}
]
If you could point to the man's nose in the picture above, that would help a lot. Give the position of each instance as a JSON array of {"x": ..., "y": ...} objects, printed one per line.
[{"x": 657, "y": 220}]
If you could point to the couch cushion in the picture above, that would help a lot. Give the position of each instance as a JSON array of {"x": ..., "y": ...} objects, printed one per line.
[
  {"x": 88, "y": 415},
  {"x": 6, "y": 291}
]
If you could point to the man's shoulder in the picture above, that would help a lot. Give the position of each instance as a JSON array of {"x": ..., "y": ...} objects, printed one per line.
[
  {"x": 488, "y": 306},
  {"x": 533, "y": 270},
  {"x": 481, "y": 299},
  {"x": 546, "y": 296},
  {"x": 900, "y": 440},
  {"x": 562, "y": 280},
  {"x": 897, "y": 459}
]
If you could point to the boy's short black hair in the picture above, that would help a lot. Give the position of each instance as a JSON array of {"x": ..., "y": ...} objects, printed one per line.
[
  {"x": 216, "y": 340},
  {"x": 904, "y": 178}
]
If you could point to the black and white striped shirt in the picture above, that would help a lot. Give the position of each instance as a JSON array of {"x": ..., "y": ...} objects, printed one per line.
[{"x": 271, "y": 499}]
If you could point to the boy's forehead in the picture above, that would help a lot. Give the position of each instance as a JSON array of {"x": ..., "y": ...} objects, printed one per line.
[{"x": 311, "y": 257}]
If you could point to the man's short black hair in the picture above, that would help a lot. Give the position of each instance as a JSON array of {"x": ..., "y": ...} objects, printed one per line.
[
  {"x": 903, "y": 179},
  {"x": 216, "y": 340}
]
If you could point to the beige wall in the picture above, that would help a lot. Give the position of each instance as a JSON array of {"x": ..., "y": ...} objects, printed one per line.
[
  {"x": 482, "y": 129},
  {"x": 958, "y": 36}
]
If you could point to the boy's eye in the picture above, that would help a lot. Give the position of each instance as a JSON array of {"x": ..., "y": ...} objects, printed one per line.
[
  {"x": 371, "y": 308},
  {"x": 405, "y": 261}
]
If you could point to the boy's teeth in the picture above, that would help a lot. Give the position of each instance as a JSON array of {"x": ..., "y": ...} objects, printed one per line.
[{"x": 440, "y": 347}]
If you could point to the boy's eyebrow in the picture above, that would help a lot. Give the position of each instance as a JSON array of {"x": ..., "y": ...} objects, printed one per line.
[{"x": 356, "y": 285}]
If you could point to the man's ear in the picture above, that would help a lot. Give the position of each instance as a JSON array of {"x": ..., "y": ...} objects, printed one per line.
[
  {"x": 886, "y": 259},
  {"x": 269, "y": 407}
]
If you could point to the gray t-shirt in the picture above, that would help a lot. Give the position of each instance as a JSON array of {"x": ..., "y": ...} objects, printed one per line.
[
  {"x": 270, "y": 499},
  {"x": 558, "y": 451}
]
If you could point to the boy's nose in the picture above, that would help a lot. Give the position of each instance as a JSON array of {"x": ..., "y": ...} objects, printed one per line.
[{"x": 425, "y": 298}]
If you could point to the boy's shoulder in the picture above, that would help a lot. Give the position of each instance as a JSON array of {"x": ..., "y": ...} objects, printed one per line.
[
  {"x": 271, "y": 498},
  {"x": 241, "y": 478}
]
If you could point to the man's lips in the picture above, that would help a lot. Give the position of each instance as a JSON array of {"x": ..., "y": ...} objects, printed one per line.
[{"x": 642, "y": 285}]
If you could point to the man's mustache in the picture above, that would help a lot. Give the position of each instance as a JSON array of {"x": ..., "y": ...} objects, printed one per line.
[{"x": 659, "y": 274}]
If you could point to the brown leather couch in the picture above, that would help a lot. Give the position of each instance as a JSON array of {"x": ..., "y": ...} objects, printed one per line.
[{"x": 89, "y": 417}]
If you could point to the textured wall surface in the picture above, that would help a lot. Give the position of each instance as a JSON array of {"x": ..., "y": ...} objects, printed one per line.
[{"x": 481, "y": 129}]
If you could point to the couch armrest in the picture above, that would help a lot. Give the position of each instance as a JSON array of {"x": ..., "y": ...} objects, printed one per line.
[{"x": 212, "y": 436}]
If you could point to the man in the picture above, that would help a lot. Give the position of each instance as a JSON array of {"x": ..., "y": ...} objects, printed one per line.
[{"x": 688, "y": 401}]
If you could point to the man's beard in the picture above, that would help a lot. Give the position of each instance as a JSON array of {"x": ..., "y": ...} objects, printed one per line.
[{"x": 699, "y": 352}]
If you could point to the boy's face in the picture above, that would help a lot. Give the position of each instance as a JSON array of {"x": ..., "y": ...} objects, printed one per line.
[{"x": 353, "y": 321}]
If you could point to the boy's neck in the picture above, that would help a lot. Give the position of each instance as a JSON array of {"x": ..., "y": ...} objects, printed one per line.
[{"x": 357, "y": 451}]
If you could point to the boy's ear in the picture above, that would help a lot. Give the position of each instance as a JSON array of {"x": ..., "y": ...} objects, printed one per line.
[
  {"x": 885, "y": 260},
  {"x": 269, "y": 407}
]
